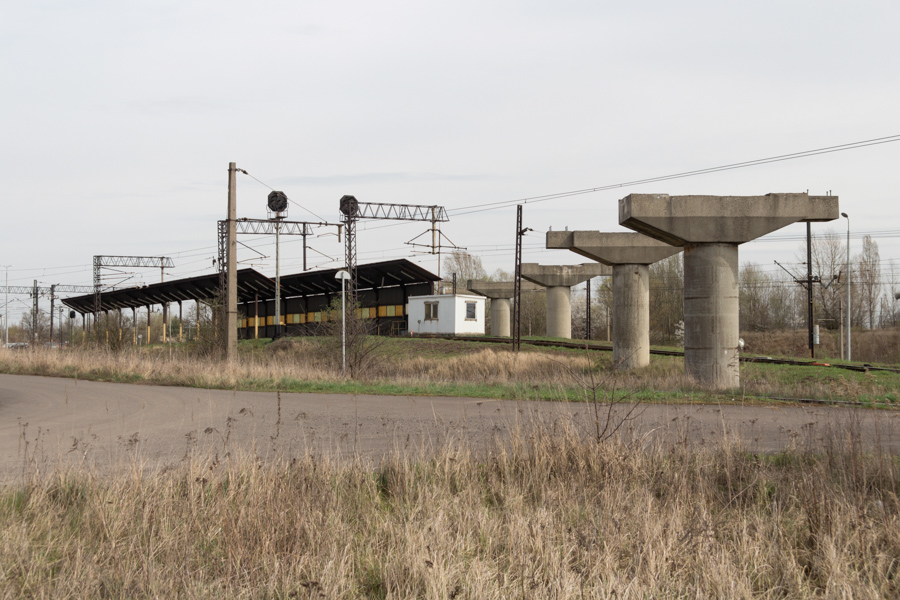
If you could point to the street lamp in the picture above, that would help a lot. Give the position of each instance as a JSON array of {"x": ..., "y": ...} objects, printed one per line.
[
  {"x": 343, "y": 276},
  {"x": 848, "y": 284}
]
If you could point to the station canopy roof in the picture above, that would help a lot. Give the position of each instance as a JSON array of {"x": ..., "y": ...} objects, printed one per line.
[{"x": 253, "y": 284}]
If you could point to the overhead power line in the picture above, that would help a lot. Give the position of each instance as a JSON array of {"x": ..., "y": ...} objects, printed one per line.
[{"x": 739, "y": 165}]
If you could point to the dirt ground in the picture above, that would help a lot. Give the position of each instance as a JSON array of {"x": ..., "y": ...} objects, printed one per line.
[{"x": 46, "y": 422}]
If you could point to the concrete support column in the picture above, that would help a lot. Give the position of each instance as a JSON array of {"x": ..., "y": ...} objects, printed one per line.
[
  {"x": 500, "y": 310},
  {"x": 711, "y": 308},
  {"x": 631, "y": 307},
  {"x": 559, "y": 311}
]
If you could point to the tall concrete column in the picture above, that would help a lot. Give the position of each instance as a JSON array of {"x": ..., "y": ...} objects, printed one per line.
[
  {"x": 500, "y": 293},
  {"x": 631, "y": 316},
  {"x": 711, "y": 309},
  {"x": 559, "y": 279},
  {"x": 559, "y": 311},
  {"x": 500, "y": 317},
  {"x": 711, "y": 228},
  {"x": 629, "y": 254}
]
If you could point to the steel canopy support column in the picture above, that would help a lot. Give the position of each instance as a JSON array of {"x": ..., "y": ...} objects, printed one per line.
[{"x": 711, "y": 308}]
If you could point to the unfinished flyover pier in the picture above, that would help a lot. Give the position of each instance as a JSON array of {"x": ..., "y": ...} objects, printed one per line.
[
  {"x": 629, "y": 254},
  {"x": 559, "y": 279},
  {"x": 500, "y": 293},
  {"x": 711, "y": 228}
]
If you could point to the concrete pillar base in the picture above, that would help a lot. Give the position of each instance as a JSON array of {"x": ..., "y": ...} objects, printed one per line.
[
  {"x": 631, "y": 307},
  {"x": 559, "y": 312},
  {"x": 500, "y": 309},
  {"x": 711, "y": 308}
]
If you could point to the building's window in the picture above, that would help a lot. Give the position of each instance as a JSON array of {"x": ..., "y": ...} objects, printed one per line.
[
  {"x": 431, "y": 311},
  {"x": 470, "y": 311}
]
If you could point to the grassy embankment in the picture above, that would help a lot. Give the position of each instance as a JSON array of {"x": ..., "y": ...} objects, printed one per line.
[
  {"x": 547, "y": 515},
  {"x": 404, "y": 366}
]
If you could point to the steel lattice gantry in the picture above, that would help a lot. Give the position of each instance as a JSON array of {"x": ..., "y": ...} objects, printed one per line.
[
  {"x": 262, "y": 227},
  {"x": 37, "y": 292},
  {"x": 101, "y": 261},
  {"x": 353, "y": 210}
]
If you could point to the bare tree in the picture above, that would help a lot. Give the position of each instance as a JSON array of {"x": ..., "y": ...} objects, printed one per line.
[
  {"x": 37, "y": 329},
  {"x": 868, "y": 274},
  {"x": 889, "y": 316},
  {"x": 829, "y": 260},
  {"x": 466, "y": 266},
  {"x": 666, "y": 298}
]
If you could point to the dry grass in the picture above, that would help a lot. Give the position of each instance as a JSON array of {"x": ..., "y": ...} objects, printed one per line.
[
  {"x": 880, "y": 346},
  {"x": 305, "y": 360},
  {"x": 444, "y": 367},
  {"x": 545, "y": 515}
]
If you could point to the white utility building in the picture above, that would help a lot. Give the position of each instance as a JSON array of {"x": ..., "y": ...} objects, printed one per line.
[{"x": 446, "y": 313}]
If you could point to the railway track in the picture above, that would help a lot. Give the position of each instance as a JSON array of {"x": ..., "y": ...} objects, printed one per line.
[{"x": 608, "y": 348}]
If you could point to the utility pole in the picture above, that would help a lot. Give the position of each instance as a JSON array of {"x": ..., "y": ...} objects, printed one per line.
[
  {"x": 849, "y": 274},
  {"x": 34, "y": 315},
  {"x": 6, "y": 306},
  {"x": 278, "y": 278},
  {"x": 517, "y": 307},
  {"x": 809, "y": 289},
  {"x": 52, "y": 298},
  {"x": 587, "y": 319},
  {"x": 231, "y": 268}
]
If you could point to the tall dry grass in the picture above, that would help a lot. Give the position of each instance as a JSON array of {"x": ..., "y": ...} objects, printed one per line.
[
  {"x": 546, "y": 515},
  {"x": 451, "y": 367},
  {"x": 873, "y": 346},
  {"x": 304, "y": 360}
]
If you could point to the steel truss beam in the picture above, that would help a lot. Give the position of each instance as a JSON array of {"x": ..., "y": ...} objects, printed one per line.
[
  {"x": 43, "y": 291},
  {"x": 262, "y": 227},
  {"x": 353, "y": 210},
  {"x": 100, "y": 261},
  {"x": 401, "y": 212}
]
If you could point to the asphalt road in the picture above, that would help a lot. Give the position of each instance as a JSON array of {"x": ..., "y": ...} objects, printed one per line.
[{"x": 46, "y": 422}]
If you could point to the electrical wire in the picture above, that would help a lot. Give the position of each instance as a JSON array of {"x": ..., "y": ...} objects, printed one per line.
[
  {"x": 288, "y": 197},
  {"x": 740, "y": 165}
]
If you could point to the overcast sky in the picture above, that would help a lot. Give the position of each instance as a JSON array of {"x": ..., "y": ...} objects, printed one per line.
[{"x": 120, "y": 119}]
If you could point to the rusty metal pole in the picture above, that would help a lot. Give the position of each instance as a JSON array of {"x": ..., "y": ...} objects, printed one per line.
[
  {"x": 587, "y": 319},
  {"x": 52, "y": 298},
  {"x": 809, "y": 290},
  {"x": 34, "y": 315},
  {"x": 230, "y": 323}
]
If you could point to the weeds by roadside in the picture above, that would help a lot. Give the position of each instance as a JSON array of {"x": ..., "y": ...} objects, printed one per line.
[
  {"x": 440, "y": 367},
  {"x": 547, "y": 513}
]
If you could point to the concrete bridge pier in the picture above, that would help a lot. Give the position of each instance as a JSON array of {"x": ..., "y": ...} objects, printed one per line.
[
  {"x": 710, "y": 228},
  {"x": 629, "y": 254},
  {"x": 559, "y": 279},
  {"x": 711, "y": 309},
  {"x": 500, "y": 293}
]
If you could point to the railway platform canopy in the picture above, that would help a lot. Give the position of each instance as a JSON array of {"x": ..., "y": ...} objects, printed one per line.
[{"x": 392, "y": 280}]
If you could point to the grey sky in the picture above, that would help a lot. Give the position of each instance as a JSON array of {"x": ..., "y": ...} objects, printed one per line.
[{"x": 120, "y": 118}]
